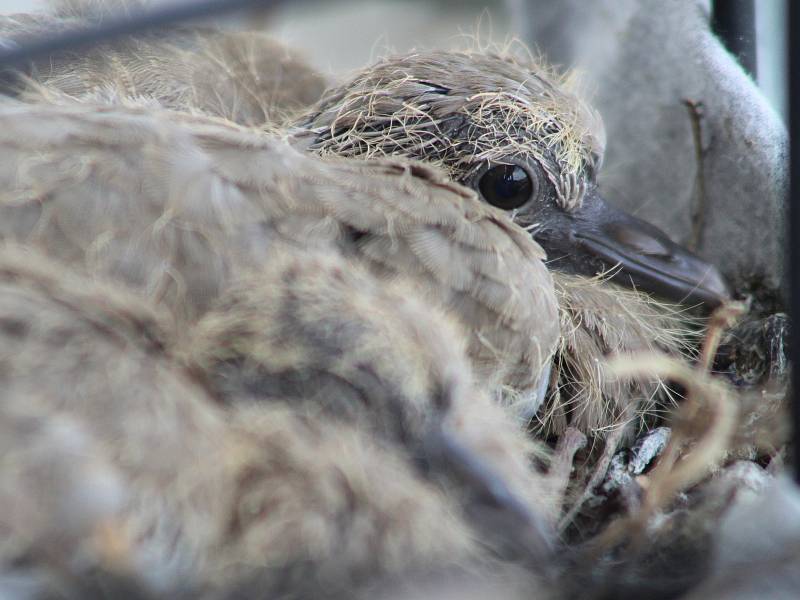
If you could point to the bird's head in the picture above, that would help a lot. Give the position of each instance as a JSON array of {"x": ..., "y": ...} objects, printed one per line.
[{"x": 513, "y": 132}]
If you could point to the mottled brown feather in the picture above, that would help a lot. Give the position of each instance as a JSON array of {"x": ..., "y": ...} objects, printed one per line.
[
  {"x": 213, "y": 496},
  {"x": 177, "y": 207}
]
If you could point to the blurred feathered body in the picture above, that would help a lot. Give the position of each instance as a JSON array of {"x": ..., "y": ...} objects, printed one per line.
[
  {"x": 245, "y": 77},
  {"x": 211, "y": 495},
  {"x": 57, "y": 487}
]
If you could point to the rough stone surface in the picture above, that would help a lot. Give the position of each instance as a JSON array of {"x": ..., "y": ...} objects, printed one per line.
[{"x": 627, "y": 464}]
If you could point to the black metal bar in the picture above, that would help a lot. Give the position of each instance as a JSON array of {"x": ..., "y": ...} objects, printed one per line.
[
  {"x": 793, "y": 85},
  {"x": 734, "y": 22},
  {"x": 111, "y": 28}
]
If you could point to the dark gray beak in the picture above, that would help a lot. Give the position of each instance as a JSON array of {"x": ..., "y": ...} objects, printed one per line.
[{"x": 600, "y": 238}]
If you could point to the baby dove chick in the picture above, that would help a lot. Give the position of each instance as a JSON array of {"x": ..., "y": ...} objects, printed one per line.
[{"x": 512, "y": 131}]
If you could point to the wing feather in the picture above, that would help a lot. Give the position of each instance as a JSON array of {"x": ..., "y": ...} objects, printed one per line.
[{"x": 178, "y": 207}]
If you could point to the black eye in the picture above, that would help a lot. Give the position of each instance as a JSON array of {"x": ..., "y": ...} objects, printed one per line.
[{"x": 506, "y": 186}]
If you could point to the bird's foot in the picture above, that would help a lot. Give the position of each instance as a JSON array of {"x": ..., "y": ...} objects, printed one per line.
[{"x": 561, "y": 466}]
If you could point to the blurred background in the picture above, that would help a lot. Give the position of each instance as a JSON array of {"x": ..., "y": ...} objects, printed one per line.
[{"x": 341, "y": 35}]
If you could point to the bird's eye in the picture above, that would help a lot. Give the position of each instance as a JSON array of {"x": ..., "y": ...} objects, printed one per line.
[{"x": 506, "y": 186}]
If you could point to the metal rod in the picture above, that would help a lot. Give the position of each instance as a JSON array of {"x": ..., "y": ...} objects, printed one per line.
[
  {"x": 794, "y": 219},
  {"x": 734, "y": 22},
  {"x": 12, "y": 56}
]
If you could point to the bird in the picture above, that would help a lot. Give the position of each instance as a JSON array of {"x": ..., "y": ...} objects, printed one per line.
[
  {"x": 583, "y": 398},
  {"x": 513, "y": 132},
  {"x": 487, "y": 95},
  {"x": 510, "y": 128},
  {"x": 199, "y": 496}
]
